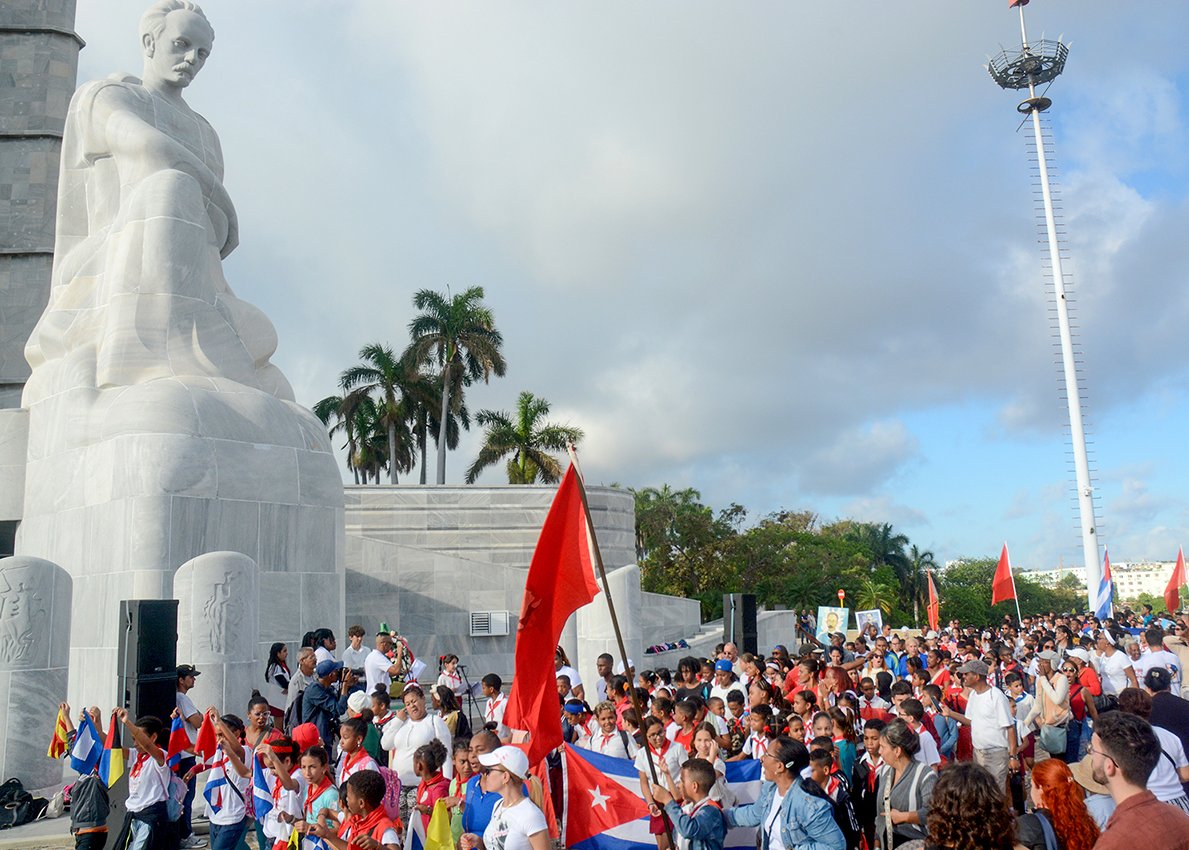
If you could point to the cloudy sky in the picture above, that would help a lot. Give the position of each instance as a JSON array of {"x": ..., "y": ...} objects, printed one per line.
[{"x": 784, "y": 253}]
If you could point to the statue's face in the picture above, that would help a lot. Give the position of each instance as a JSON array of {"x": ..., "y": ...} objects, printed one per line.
[{"x": 178, "y": 54}]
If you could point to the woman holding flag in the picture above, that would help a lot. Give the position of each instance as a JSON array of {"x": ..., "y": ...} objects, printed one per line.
[{"x": 227, "y": 781}]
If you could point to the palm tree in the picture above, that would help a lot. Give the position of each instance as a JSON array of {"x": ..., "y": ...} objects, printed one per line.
[
  {"x": 527, "y": 438},
  {"x": 918, "y": 564},
  {"x": 459, "y": 333},
  {"x": 872, "y": 594},
  {"x": 656, "y": 515},
  {"x": 388, "y": 376},
  {"x": 371, "y": 439},
  {"x": 342, "y": 409}
]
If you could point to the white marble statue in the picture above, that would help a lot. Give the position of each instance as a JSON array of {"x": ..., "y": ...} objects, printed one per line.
[{"x": 158, "y": 428}]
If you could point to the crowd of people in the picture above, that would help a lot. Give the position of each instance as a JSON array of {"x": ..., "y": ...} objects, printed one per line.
[{"x": 1055, "y": 733}]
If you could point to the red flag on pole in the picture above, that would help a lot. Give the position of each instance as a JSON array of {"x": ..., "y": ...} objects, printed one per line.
[
  {"x": 934, "y": 607},
  {"x": 1172, "y": 593},
  {"x": 1011, "y": 4},
  {"x": 1003, "y": 586},
  {"x": 560, "y": 581}
]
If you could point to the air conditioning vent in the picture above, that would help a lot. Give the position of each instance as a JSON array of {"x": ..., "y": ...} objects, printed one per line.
[{"x": 489, "y": 623}]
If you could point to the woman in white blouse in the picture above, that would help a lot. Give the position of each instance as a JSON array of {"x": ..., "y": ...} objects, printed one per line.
[{"x": 409, "y": 729}]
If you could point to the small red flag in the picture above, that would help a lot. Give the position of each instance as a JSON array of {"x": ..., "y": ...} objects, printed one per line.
[
  {"x": 933, "y": 609},
  {"x": 1172, "y": 593},
  {"x": 179, "y": 741},
  {"x": 594, "y": 803},
  {"x": 560, "y": 581},
  {"x": 207, "y": 743},
  {"x": 1003, "y": 587},
  {"x": 1011, "y": 4}
]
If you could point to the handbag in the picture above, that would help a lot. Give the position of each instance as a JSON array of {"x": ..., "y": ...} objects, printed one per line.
[{"x": 1053, "y": 739}]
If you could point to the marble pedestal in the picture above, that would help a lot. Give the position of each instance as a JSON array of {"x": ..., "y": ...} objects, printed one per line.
[
  {"x": 34, "y": 651},
  {"x": 124, "y": 485},
  {"x": 218, "y": 628}
]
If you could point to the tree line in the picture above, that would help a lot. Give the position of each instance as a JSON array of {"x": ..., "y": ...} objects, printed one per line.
[
  {"x": 791, "y": 558},
  {"x": 390, "y": 406}
]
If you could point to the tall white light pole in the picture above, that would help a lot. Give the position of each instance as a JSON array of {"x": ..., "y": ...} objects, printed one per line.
[{"x": 1033, "y": 65}]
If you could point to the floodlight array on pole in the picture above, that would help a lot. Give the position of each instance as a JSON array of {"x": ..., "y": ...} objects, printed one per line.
[{"x": 1036, "y": 64}]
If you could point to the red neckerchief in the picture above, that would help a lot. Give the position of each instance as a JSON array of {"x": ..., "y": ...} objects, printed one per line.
[
  {"x": 313, "y": 794},
  {"x": 352, "y": 760},
  {"x": 492, "y": 704},
  {"x": 873, "y": 775},
  {"x": 607, "y": 738},
  {"x": 760, "y": 746},
  {"x": 356, "y": 825},
  {"x": 662, "y": 751},
  {"x": 380, "y": 721},
  {"x": 141, "y": 758},
  {"x": 425, "y": 785}
]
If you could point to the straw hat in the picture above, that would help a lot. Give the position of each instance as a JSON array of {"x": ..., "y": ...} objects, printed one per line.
[{"x": 1083, "y": 774}]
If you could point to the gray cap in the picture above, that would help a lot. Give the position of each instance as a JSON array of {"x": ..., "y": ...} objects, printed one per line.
[
  {"x": 976, "y": 666},
  {"x": 1048, "y": 655}
]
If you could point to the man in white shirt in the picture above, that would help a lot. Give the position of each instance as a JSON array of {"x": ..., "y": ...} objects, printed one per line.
[
  {"x": 1158, "y": 656},
  {"x": 603, "y": 666},
  {"x": 378, "y": 668},
  {"x": 988, "y": 714},
  {"x": 1114, "y": 667},
  {"x": 725, "y": 682},
  {"x": 191, "y": 722},
  {"x": 354, "y": 654}
]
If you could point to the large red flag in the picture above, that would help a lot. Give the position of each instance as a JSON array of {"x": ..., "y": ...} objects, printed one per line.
[
  {"x": 1172, "y": 593},
  {"x": 560, "y": 581},
  {"x": 1003, "y": 587},
  {"x": 933, "y": 609},
  {"x": 207, "y": 742}
]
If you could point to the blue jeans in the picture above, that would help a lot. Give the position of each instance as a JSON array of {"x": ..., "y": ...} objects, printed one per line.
[
  {"x": 228, "y": 837},
  {"x": 184, "y": 765},
  {"x": 1073, "y": 741}
]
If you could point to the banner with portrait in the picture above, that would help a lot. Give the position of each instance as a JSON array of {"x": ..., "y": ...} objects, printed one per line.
[
  {"x": 830, "y": 620},
  {"x": 865, "y": 619}
]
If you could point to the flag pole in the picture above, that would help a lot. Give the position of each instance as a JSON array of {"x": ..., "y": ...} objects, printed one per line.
[
  {"x": 623, "y": 653},
  {"x": 1010, "y": 572}
]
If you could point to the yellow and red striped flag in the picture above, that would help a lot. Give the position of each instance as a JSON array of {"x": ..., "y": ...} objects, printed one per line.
[{"x": 60, "y": 743}]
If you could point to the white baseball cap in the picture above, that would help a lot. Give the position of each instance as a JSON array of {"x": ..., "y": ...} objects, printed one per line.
[{"x": 511, "y": 759}]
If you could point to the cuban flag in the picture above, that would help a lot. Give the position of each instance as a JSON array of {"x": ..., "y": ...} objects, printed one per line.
[
  {"x": 600, "y": 815},
  {"x": 84, "y": 756},
  {"x": 1102, "y": 601},
  {"x": 261, "y": 793},
  {"x": 216, "y": 781},
  {"x": 178, "y": 742}
]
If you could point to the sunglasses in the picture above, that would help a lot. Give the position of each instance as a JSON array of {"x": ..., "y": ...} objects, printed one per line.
[
  {"x": 1068, "y": 670},
  {"x": 484, "y": 771}
]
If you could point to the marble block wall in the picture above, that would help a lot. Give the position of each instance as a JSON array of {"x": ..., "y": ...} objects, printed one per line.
[
  {"x": 423, "y": 558},
  {"x": 670, "y": 618},
  {"x": 498, "y": 525},
  {"x": 35, "y": 600},
  {"x": 14, "y": 432},
  {"x": 38, "y": 64}
]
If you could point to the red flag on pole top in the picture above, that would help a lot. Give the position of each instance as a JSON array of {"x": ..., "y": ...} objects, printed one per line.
[
  {"x": 1003, "y": 586},
  {"x": 1172, "y": 593},
  {"x": 1011, "y": 4},
  {"x": 934, "y": 607},
  {"x": 560, "y": 581}
]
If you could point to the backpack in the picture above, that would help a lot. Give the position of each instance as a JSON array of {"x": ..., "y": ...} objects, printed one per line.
[
  {"x": 391, "y": 801},
  {"x": 841, "y": 809},
  {"x": 18, "y": 806}
]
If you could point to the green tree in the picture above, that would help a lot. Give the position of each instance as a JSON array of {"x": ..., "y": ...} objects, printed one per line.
[
  {"x": 390, "y": 378},
  {"x": 872, "y": 594},
  {"x": 527, "y": 437},
  {"x": 918, "y": 564},
  {"x": 342, "y": 409},
  {"x": 459, "y": 334}
]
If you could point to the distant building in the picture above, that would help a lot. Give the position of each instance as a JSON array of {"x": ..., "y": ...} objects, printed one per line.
[{"x": 1131, "y": 579}]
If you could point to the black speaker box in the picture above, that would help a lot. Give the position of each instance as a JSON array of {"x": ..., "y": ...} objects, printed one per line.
[
  {"x": 148, "y": 653},
  {"x": 739, "y": 621}
]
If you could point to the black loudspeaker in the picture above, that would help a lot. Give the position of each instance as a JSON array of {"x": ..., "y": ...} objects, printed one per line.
[
  {"x": 739, "y": 621},
  {"x": 148, "y": 656}
]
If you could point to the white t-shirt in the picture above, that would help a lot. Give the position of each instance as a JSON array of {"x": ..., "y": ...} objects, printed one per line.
[
  {"x": 323, "y": 654},
  {"x": 353, "y": 658},
  {"x": 772, "y": 823},
  {"x": 990, "y": 717},
  {"x": 1160, "y": 658},
  {"x": 277, "y": 696},
  {"x": 719, "y": 691},
  {"x": 575, "y": 679},
  {"x": 618, "y": 744},
  {"x": 510, "y": 828},
  {"x": 147, "y": 781},
  {"x": 755, "y": 746},
  {"x": 672, "y": 758},
  {"x": 1112, "y": 670},
  {"x": 494, "y": 713},
  {"x": 927, "y": 754},
  {"x": 452, "y": 682},
  {"x": 231, "y": 805},
  {"x": 349, "y": 765},
  {"x": 290, "y": 802},
  {"x": 375, "y": 670},
  {"x": 188, "y": 709},
  {"x": 1164, "y": 781}
]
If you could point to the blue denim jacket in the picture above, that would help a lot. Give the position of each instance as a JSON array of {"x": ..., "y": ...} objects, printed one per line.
[
  {"x": 706, "y": 829},
  {"x": 806, "y": 822}
]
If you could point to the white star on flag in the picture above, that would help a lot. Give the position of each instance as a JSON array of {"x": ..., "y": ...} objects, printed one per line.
[{"x": 600, "y": 799}]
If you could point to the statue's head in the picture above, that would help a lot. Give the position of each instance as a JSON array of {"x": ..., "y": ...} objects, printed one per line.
[{"x": 176, "y": 39}]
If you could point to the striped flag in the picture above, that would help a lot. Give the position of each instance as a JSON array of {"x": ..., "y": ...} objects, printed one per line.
[
  {"x": 111, "y": 760},
  {"x": 742, "y": 777},
  {"x": 216, "y": 781},
  {"x": 84, "y": 756},
  {"x": 1103, "y": 607},
  {"x": 179, "y": 742},
  {"x": 60, "y": 742},
  {"x": 260, "y": 790}
]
